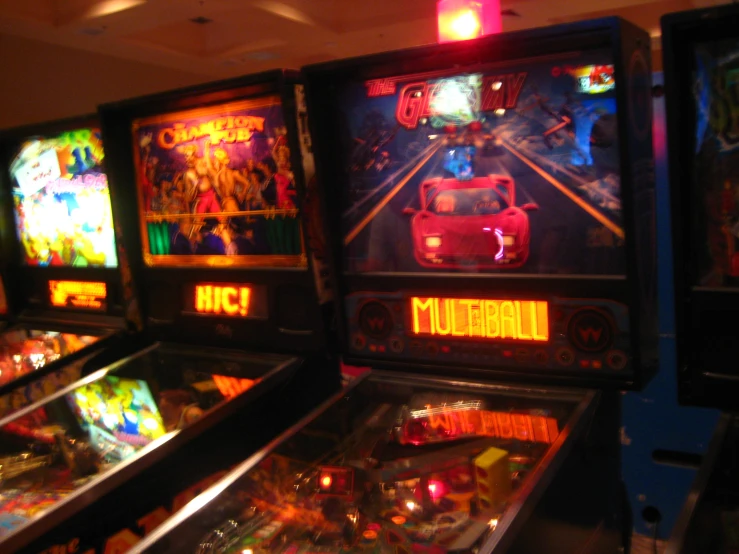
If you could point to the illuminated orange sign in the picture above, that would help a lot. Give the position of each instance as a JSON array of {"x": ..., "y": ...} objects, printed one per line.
[
  {"x": 231, "y": 387},
  {"x": 88, "y": 295},
  {"x": 222, "y": 300},
  {"x": 524, "y": 320}
]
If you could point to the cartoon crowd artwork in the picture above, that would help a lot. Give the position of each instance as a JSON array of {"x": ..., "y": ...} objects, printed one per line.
[
  {"x": 61, "y": 201},
  {"x": 716, "y": 162},
  {"x": 218, "y": 181},
  {"x": 509, "y": 169}
]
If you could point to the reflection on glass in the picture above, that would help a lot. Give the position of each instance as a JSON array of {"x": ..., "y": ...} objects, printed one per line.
[
  {"x": 118, "y": 414},
  {"x": 387, "y": 468},
  {"x": 22, "y": 352},
  {"x": 48, "y": 454}
]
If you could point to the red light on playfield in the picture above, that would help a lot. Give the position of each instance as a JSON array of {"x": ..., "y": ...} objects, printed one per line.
[
  {"x": 436, "y": 489},
  {"x": 326, "y": 481},
  {"x": 467, "y": 19}
]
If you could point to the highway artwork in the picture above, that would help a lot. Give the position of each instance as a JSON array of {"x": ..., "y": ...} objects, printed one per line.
[{"x": 507, "y": 170}]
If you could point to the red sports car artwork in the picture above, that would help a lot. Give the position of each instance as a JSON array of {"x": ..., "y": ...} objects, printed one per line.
[{"x": 475, "y": 223}]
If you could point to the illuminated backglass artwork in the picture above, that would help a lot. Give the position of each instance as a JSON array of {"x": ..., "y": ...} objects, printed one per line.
[
  {"x": 83, "y": 295},
  {"x": 216, "y": 187},
  {"x": 508, "y": 169},
  {"x": 716, "y": 162},
  {"x": 61, "y": 201}
]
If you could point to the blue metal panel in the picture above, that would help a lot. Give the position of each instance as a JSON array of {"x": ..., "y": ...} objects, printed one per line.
[{"x": 652, "y": 419}]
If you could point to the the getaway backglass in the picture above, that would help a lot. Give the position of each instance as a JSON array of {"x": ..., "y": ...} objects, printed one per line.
[{"x": 508, "y": 169}]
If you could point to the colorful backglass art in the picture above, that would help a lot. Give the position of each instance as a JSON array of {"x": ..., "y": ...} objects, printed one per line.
[
  {"x": 216, "y": 187},
  {"x": 716, "y": 163},
  {"x": 124, "y": 408},
  {"x": 61, "y": 201},
  {"x": 506, "y": 170}
]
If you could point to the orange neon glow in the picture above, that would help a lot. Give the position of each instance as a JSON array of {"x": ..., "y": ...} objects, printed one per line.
[
  {"x": 524, "y": 320},
  {"x": 222, "y": 300},
  {"x": 451, "y": 424},
  {"x": 231, "y": 387},
  {"x": 89, "y": 295},
  {"x": 326, "y": 481}
]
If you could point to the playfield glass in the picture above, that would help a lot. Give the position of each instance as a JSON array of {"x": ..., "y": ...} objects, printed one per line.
[
  {"x": 216, "y": 187},
  {"x": 512, "y": 169},
  {"x": 61, "y": 201},
  {"x": 79, "y": 435},
  {"x": 25, "y": 351},
  {"x": 716, "y": 161},
  {"x": 389, "y": 467}
]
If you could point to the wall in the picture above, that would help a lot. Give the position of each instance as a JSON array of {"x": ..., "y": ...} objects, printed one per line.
[{"x": 42, "y": 81}]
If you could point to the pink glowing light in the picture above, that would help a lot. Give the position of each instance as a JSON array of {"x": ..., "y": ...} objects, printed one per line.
[
  {"x": 499, "y": 234},
  {"x": 467, "y": 19},
  {"x": 436, "y": 489}
]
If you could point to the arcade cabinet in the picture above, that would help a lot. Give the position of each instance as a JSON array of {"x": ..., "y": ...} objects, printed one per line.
[
  {"x": 207, "y": 184},
  {"x": 701, "y": 49},
  {"x": 66, "y": 302},
  {"x": 490, "y": 208}
]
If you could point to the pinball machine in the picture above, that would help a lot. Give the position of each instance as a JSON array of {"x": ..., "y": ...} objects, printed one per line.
[
  {"x": 62, "y": 294},
  {"x": 490, "y": 208},
  {"x": 700, "y": 52},
  {"x": 208, "y": 186}
]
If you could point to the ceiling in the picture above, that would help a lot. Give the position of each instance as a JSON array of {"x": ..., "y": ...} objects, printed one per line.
[{"x": 222, "y": 38}]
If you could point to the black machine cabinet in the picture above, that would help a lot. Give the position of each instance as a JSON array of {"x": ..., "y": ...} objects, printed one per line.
[
  {"x": 60, "y": 261},
  {"x": 700, "y": 50},
  {"x": 208, "y": 188},
  {"x": 703, "y": 179},
  {"x": 708, "y": 520},
  {"x": 490, "y": 208},
  {"x": 575, "y": 233}
]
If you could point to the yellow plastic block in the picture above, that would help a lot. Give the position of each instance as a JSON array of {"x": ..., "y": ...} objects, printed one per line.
[{"x": 493, "y": 477}]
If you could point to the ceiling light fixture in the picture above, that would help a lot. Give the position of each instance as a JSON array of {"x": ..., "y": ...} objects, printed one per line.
[
  {"x": 109, "y": 7},
  {"x": 467, "y": 19},
  {"x": 284, "y": 11}
]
